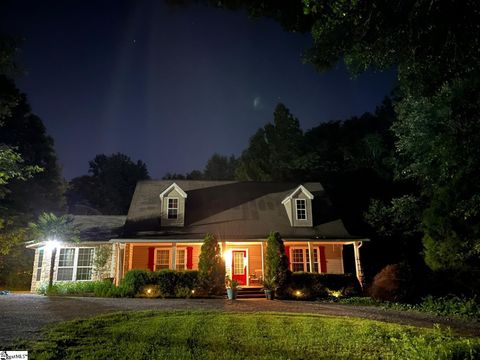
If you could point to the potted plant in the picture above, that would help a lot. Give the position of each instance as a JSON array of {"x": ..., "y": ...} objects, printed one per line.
[
  {"x": 231, "y": 286},
  {"x": 269, "y": 287}
]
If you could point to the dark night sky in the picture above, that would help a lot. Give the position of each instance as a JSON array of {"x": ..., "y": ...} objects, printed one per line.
[{"x": 169, "y": 87}]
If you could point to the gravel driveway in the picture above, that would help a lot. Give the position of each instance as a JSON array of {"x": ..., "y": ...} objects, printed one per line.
[{"x": 23, "y": 315}]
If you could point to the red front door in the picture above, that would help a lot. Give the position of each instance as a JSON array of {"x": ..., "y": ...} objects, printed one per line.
[{"x": 239, "y": 266}]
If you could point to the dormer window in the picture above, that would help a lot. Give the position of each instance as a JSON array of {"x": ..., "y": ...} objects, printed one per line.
[
  {"x": 301, "y": 209},
  {"x": 172, "y": 210},
  {"x": 172, "y": 204},
  {"x": 298, "y": 205}
]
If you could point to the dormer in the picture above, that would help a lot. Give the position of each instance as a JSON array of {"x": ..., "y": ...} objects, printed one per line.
[
  {"x": 299, "y": 207},
  {"x": 172, "y": 202}
]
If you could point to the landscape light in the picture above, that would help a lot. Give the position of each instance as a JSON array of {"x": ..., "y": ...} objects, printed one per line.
[{"x": 298, "y": 293}]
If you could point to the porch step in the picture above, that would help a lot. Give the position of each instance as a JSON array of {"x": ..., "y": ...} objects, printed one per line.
[{"x": 250, "y": 292}]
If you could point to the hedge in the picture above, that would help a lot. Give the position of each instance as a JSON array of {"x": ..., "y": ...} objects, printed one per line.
[
  {"x": 163, "y": 283},
  {"x": 309, "y": 286}
]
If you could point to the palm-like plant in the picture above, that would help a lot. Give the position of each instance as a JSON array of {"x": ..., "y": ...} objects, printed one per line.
[{"x": 50, "y": 226}]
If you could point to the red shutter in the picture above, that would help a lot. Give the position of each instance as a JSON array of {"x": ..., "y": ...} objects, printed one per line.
[
  {"x": 151, "y": 258},
  {"x": 189, "y": 257},
  {"x": 323, "y": 260},
  {"x": 287, "y": 252}
]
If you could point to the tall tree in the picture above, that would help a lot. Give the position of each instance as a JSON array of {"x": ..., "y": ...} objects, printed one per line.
[
  {"x": 109, "y": 187},
  {"x": 276, "y": 151}
]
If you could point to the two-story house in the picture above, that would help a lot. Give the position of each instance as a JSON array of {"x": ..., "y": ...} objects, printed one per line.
[{"x": 167, "y": 222}]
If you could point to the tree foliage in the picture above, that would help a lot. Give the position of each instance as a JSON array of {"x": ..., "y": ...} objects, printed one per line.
[
  {"x": 109, "y": 187},
  {"x": 275, "y": 152},
  {"x": 276, "y": 263},
  {"x": 211, "y": 267},
  {"x": 52, "y": 227}
]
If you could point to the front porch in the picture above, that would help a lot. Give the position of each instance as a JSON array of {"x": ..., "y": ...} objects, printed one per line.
[{"x": 244, "y": 260}]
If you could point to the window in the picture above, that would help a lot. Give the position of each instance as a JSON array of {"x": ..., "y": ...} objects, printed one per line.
[
  {"x": 39, "y": 264},
  {"x": 172, "y": 209},
  {"x": 75, "y": 264},
  {"x": 301, "y": 205},
  {"x": 180, "y": 263},
  {"x": 162, "y": 260},
  {"x": 85, "y": 264},
  {"x": 66, "y": 261},
  {"x": 300, "y": 260}
]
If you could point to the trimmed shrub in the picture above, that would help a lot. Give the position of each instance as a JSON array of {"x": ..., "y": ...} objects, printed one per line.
[
  {"x": 307, "y": 286},
  {"x": 211, "y": 267},
  {"x": 276, "y": 264},
  {"x": 394, "y": 283},
  {"x": 135, "y": 280},
  {"x": 162, "y": 283}
]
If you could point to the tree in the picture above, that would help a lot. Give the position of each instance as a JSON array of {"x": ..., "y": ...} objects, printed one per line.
[
  {"x": 276, "y": 263},
  {"x": 275, "y": 152},
  {"x": 30, "y": 180},
  {"x": 211, "y": 267},
  {"x": 109, "y": 187},
  {"x": 24, "y": 132},
  {"x": 52, "y": 227},
  {"x": 220, "y": 168}
]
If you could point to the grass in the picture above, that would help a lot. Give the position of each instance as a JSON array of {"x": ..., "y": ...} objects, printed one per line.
[
  {"x": 217, "y": 335},
  {"x": 455, "y": 307}
]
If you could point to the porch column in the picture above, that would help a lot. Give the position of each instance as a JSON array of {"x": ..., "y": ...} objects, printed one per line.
[
  {"x": 358, "y": 265},
  {"x": 263, "y": 261},
  {"x": 310, "y": 256},
  {"x": 174, "y": 256}
]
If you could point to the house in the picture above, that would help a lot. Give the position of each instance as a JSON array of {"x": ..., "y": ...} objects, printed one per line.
[{"x": 167, "y": 222}]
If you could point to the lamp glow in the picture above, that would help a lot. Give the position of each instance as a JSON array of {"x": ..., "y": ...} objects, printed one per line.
[
  {"x": 298, "y": 293},
  {"x": 51, "y": 244}
]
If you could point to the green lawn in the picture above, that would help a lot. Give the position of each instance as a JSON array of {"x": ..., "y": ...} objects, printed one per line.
[{"x": 218, "y": 335}]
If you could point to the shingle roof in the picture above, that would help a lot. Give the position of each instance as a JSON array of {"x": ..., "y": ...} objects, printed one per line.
[
  {"x": 230, "y": 210},
  {"x": 99, "y": 227}
]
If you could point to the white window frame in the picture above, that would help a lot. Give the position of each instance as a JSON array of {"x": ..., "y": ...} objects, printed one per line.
[
  {"x": 169, "y": 258},
  {"x": 75, "y": 263},
  {"x": 296, "y": 209},
  {"x": 184, "y": 258},
  {"x": 40, "y": 260},
  {"x": 167, "y": 199},
  {"x": 306, "y": 259}
]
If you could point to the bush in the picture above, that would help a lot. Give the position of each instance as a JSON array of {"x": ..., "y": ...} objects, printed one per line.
[
  {"x": 451, "y": 306},
  {"x": 162, "y": 283},
  {"x": 304, "y": 285},
  {"x": 135, "y": 280},
  {"x": 359, "y": 301},
  {"x": 97, "y": 288},
  {"x": 171, "y": 282},
  {"x": 276, "y": 265},
  {"x": 211, "y": 267},
  {"x": 394, "y": 283}
]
